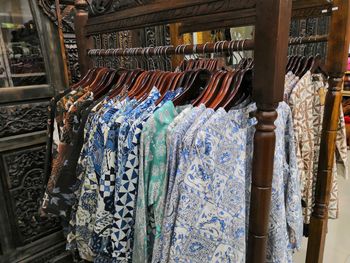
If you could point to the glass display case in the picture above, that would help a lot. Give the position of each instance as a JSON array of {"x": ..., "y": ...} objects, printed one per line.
[{"x": 21, "y": 59}]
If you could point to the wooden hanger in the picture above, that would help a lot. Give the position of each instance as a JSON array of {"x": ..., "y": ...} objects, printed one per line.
[
  {"x": 204, "y": 96},
  {"x": 318, "y": 66},
  {"x": 214, "y": 90},
  {"x": 144, "y": 92},
  {"x": 242, "y": 87},
  {"x": 128, "y": 82},
  {"x": 103, "y": 81},
  {"x": 85, "y": 79},
  {"x": 224, "y": 91},
  {"x": 172, "y": 86},
  {"x": 301, "y": 65},
  {"x": 117, "y": 88},
  {"x": 107, "y": 85},
  {"x": 206, "y": 89},
  {"x": 100, "y": 74},
  {"x": 194, "y": 88},
  {"x": 141, "y": 81},
  {"x": 93, "y": 76},
  {"x": 307, "y": 66}
]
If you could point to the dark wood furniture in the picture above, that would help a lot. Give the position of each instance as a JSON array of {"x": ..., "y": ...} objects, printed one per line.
[
  {"x": 23, "y": 119},
  {"x": 337, "y": 55},
  {"x": 272, "y": 21}
]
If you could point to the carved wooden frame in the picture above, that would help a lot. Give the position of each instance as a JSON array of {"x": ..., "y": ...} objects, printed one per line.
[{"x": 272, "y": 20}]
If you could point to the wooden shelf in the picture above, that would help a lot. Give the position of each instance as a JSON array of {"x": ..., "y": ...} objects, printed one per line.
[
  {"x": 346, "y": 93},
  {"x": 24, "y": 75}
]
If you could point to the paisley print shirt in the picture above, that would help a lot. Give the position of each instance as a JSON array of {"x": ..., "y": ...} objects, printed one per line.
[
  {"x": 207, "y": 217},
  {"x": 151, "y": 182},
  {"x": 174, "y": 143}
]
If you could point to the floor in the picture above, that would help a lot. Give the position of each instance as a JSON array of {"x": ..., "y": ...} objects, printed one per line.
[{"x": 338, "y": 238}]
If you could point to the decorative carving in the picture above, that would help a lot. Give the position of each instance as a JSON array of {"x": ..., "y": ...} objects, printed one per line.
[
  {"x": 125, "y": 41},
  {"x": 22, "y": 118},
  {"x": 26, "y": 177},
  {"x": 122, "y": 21},
  {"x": 70, "y": 44},
  {"x": 100, "y": 7},
  {"x": 68, "y": 14},
  {"x": 310, "y": 27},
  {"x": 157, "y": 36},
  {"x": 310, "y": 12},
  {"x": 67, "y": 11}
]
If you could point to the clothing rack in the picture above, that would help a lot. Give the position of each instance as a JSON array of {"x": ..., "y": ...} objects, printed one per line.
[
  {"x": 218, "y": 47},
  {"x": 272, "y": 21}
]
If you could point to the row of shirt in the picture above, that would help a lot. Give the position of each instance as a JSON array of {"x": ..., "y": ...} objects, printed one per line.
[
  {"x": 306, "y": 97},
  {"x": 146, "y": 182}
]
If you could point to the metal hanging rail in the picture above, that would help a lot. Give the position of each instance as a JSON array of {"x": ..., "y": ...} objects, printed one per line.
[{"x": 207, "y": 48}]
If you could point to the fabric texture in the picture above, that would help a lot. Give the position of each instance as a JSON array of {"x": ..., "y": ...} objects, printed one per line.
[{"x": 308, "y": 110}]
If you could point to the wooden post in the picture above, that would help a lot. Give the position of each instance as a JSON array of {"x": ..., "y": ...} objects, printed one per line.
[
  {"x": 271, "y": 44},
  {"x": 83, "y": 42},
  {"x": 175, "y": 39},
  {"x": 337, "y": 55},
  {"x": 63, "y": 48}
]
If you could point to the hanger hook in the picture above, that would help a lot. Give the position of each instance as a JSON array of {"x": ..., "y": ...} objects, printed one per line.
[
  {"x": 204, "y": 49},
  {"x": 300, "y": 47},
  {"x": 218, "y": 50},
  {"x": 243, "y": 42},
  {"x": 315, "y": 46},
  {"x": 194, "y": 50},
  {"x": 183, "y": 49},
  {"x": 151, "y": 58},
  {"x": 215, "y": 47},
  {"x": 99, "y": 58},
  {"x": 147, "y": 58},
  {"x": 107, "y": 59},
  {"x": 239, "y": 54},
  {"x": 223, "y": 47},
  {"x": 233, "y": 52},
  {"x": 296, "y": 46},
  {"x": 123, "y": 56},
  {"x": 92, "y": 54},
  {"x": 167, "y": 58}
]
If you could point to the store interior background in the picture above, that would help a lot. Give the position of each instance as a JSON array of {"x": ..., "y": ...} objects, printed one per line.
[{"x": 52, "y": 73}]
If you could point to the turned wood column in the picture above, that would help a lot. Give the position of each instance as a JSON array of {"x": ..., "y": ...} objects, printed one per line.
[
  {"x": 337, "y": 55},
  {"x": 84, "y": 43},
  {"x": 271, "y": 44}
]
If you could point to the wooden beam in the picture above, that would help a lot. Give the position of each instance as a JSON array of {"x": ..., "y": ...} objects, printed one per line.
[
  {"x": 84, "y": 43},
  {"x": 62, "y": 46},
  {"x": 337, "y": 55},
  {"x": 163, "y": 12},
  {"x": 175, "y": 39}
]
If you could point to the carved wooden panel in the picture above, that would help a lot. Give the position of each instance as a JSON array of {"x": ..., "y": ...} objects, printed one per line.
[
  {"x": 310, "y": 27},
  {"x": 24, "y": 171},
  {"x": 100, "y": 7},
  {"x": 68, "y": 14},
  {"x": 22, "y": 118},
  {"x": 146, "y": 37},
  {"x": 163, "y": 12},
  {"x": 67, "y": 11},
  {"x": 157, "y": 36},
  {"x": 70, "y": 44}
]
